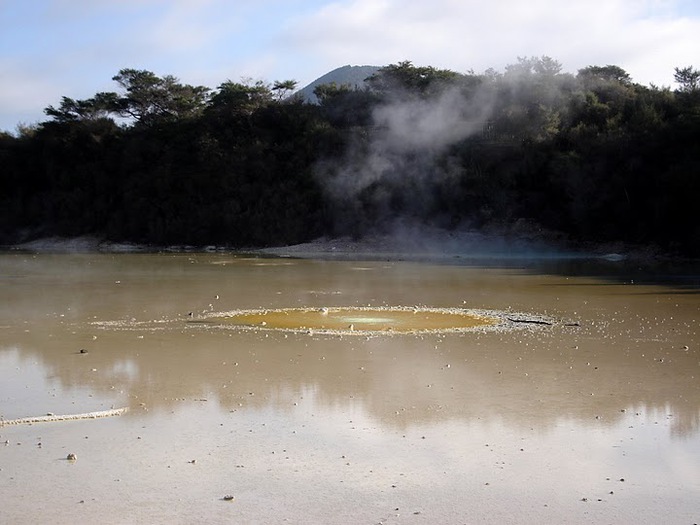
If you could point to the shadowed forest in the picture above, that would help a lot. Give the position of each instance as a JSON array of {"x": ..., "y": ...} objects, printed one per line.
[{"x": 591, "y": 157}]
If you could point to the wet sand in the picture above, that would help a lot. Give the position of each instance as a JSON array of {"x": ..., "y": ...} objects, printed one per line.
[{"x": 596, "y": 420}]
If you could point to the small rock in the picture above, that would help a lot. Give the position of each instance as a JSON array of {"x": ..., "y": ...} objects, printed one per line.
[
  {"x": 83, "y": 351},
  {"x": 228, "y": 497},
  {"x": 71, "y": 457}
]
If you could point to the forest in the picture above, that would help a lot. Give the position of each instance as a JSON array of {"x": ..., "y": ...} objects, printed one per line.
[{"x": 591, "y": 157}]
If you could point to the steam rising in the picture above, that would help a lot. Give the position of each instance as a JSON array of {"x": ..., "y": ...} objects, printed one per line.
[
  {"x": 429, "y": 126},
  {"x": 391, "y": 176},
  {"x": 408, "y": 136}
]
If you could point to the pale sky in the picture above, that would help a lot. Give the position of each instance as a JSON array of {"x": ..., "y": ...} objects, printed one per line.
[{"x": 55, "y": 48}]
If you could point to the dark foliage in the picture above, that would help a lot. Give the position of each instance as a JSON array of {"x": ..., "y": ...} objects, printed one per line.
[{"x": 593, "y": 156}]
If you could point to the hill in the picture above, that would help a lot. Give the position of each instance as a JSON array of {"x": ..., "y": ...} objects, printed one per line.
[{"x": 353, "y": 76}]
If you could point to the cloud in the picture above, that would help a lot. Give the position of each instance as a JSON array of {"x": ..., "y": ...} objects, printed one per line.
[
  {"x": 193, "y": 26},
  {"x": 646, "y": 37},
  {"x": 73, "y": 48},
  {"x": 18, "y": 97},
  {"x": 50, "y": 48}
]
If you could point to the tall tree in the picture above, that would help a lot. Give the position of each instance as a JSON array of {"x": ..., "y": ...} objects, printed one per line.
[
  {"x": 605, "y": 73},
  {"x": 148, "y": 98},
  {"x": 97, "y": 107},
  {"x": 283, "y": 87},
  {"x": 543, "y": 65},
  {"x": 240, "y": 97},
  {"x": 688, "y": 78},
  {"x": 418, "y": 80}
]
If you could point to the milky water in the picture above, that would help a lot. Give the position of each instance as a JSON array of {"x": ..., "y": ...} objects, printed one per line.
[{"x": 594, "y": 417}]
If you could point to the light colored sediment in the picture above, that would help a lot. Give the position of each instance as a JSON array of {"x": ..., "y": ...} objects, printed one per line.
[
  {"x": 465, "y": 320},
  {"x": 49, "y": 418}
]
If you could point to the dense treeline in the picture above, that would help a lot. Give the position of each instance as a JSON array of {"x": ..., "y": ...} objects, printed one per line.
[{"x": 593, "y": 156}]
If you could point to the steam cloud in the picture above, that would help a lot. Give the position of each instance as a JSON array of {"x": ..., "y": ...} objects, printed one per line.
[{"x": 394, "y": 171}]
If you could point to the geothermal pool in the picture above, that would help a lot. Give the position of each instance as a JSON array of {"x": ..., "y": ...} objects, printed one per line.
[
  {"x": 247, "y": 389},
  {"x": 362, "y": 321}
]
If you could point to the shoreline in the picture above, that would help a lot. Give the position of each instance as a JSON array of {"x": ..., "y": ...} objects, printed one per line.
[{"x": 439, "y": 245}]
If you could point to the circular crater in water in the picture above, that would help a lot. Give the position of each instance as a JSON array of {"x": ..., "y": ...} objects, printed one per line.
[{"x": 360, "y": 320}]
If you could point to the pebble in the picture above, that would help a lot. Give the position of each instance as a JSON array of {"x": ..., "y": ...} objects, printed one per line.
[{"x": 71, "y": 457}]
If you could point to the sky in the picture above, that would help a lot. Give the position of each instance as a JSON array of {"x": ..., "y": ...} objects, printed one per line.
[{"x": 73, "y": 48}]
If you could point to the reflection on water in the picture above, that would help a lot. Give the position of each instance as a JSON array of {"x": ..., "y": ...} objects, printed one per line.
[{"x": 606, "y": 396}]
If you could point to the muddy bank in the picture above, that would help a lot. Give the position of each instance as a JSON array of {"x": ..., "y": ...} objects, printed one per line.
[
  {"x": 418, "y": 243},
  {"x": 428, "y": 243},
  {"x": 84, "y": 244}
]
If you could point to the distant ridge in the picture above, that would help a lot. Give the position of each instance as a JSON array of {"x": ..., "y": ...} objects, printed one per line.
[{"x": 353, "y": 76}]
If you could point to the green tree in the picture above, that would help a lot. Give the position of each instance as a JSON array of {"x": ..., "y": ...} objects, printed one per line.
[
  {"x": 530, "y": 99},
  {"x": 688, "y": 78},
  {"x": 148, "y": 98},
  {"x": 70, "y": 110},
  {"x": 543, "y": 65},
  {"x": 407, "y": 78},
  {"x": 345, "y": 106},
  {"x": 240, "y": 97},
  {"x": 325, "y": 93},
  {"x": 609, "y": 73},
  {"x": 282, "y": 88}
]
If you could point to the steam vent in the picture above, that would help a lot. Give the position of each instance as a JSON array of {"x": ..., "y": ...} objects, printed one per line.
[{"x": 367, "y": 320}]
